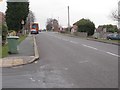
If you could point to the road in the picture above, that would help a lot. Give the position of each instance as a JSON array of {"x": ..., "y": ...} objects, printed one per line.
[{"x": 67, "y": 62}]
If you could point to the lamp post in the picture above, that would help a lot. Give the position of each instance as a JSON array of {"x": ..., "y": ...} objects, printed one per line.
[
  {"x": 22, "y": 22},
  {"x": 68, "y": 20}
]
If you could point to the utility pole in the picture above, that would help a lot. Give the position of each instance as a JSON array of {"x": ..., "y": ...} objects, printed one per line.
[
  {"x": 68, "y": 19},
  {"x": 118, "y": 15}
]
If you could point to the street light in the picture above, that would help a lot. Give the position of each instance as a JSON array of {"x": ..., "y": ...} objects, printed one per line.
[{"x": 68, "y": 19}]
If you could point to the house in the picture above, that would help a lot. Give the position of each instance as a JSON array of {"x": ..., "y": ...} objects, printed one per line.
[
  {"x": 55, "y": 25},
  {"x": 74, "y": 29},
  {"x": 103, "y": 30}
]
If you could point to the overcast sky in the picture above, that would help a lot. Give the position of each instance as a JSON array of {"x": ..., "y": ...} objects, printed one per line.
[{"x": 97, "y": 11}]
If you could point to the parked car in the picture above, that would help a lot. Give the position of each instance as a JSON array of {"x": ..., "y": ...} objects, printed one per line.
[
  {"x": 39, "y": 30},
  {"x": 113, "y": 37},
  {"x": 44, "y": 30}
]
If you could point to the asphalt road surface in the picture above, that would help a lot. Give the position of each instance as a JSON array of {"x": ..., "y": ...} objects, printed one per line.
[{"x": 67, "y": 62}]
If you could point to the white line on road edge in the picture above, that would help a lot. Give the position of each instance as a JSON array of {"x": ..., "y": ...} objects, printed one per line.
[
  {"x": 83, "y": 61},
  {"x": 32, "y": 79},
  {"x": 101, "y": 50},
  {"x": 74, "y": 42},
  {"x": 89, "y": 47},
  {"x": 86, "y": 46},
  {"x": 113, "y": 54}
]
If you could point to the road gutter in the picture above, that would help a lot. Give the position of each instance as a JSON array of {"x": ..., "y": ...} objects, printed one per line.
[{"x": 36, "y": 57}]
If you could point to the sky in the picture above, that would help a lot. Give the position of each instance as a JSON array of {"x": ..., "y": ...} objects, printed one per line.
[{"x": 98, "y": 11}]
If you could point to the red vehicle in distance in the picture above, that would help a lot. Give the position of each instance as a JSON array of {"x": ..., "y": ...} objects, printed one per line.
[{"x": 34, "y": 28}]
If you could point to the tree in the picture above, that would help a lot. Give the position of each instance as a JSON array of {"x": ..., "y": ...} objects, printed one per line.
[
  {"x": 15, "y": 13},
  {"x": 110, "y": 28},
  {"x": 115, "y": 15},
  {"x": 30, "y": 19},
  {"x": 55, "y": 25},
  {"x": 49, "y": 24},
  {"x": 4, "y": 33},
  {"x": 52, "y": 24},
  {"x": 85, "y": 25},
  {"x": 31, "y": 16}
]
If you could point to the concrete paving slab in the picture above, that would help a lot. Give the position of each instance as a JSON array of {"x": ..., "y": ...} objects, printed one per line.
[{"x": 14, "y": 61}]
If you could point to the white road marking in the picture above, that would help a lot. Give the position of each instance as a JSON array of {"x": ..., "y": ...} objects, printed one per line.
[
  {"x": 66, "y": 68},
  {"x": 89, "y": 47},
  {"x": 39, "y": 80},
  {"x": 74, "y": 42},
  {"x": 113, "y": 54},
  {"x": 101, "y": 50},
  {"x": 32, "y": 79},
  {"x": 43, "y": 66},
  {"x": 83, "y": 61}
]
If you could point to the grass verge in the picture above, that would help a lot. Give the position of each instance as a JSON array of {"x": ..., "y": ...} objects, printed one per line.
[
  {"x": 4, "y": 48},
  {"x": 105, "y": 40},
  {"x": 4, "y": 51}
]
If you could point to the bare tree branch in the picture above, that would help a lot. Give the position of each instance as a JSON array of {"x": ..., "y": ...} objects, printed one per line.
[{"x": 115, "y": 16}]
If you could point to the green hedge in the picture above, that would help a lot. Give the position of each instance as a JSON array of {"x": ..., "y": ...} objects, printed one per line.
[{"x": 4, "y": 33}]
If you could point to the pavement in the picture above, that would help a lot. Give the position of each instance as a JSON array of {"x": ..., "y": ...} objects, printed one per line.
[{"x": 27, "y": 53}]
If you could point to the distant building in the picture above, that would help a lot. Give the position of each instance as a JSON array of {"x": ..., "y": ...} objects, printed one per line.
[
  {"x": 102, "y": 32},
  {"x": 2, "y": 18},
  {"x": 102, "y": 29},
  {"x": 55, "y": 25},
  {"x": 74, "y": 29}
]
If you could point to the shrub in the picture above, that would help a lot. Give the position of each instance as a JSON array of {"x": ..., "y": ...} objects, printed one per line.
[
  {"x": 4, "y": 33},
  {"x": 85, "y": 25}
]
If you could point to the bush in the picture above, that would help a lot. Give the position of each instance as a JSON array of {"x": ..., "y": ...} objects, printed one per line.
[
  {"x": 110, "y": 28},
  {"x": 85, "y": 25},
  {"x": 4, "y": 33}
]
